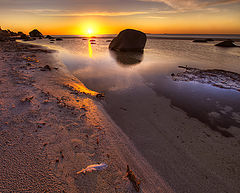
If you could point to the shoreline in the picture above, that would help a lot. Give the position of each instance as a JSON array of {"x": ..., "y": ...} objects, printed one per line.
[
  {"x": 213, "y": 37},
  {"x": 165, "y": 38},
  {"x": 60, "y": 131}
]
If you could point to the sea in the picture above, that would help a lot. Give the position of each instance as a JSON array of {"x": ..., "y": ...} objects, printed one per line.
[
  {"x": 121, "y": 75},
  {"x": 149, "y": 105}
]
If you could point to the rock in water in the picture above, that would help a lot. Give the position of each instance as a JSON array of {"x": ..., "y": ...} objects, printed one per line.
[
  {"x": 49, "y": 37},
  {"x": 129, "y": 40},
  {"x": 227, "y": 43},
  {"x": 35, "y": 33},
  {"x": 200, "y": 41},
  {"x": 24, "y": 37}
]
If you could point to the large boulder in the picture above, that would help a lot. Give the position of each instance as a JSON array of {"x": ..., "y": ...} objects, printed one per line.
[
  {"x": 35, "y": 33},
  {"x": 129, "y": 40},
  {"x": 227, "y": 43}
]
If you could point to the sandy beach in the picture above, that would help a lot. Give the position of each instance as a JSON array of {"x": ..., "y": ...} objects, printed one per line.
[{"x": 52, "y": 127}]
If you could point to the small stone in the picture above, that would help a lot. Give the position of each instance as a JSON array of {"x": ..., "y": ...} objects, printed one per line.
[
  {"x": 46, "y": 68},
  {"x": 99, "y": 95},
  {"x": 97, "y": 141}
]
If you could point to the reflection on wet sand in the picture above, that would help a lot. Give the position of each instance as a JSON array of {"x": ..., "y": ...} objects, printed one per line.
[
  {"x": 215, "y": 107},
  {"x": 127, "y": 58},
  {"x": 81, "y": 88}
]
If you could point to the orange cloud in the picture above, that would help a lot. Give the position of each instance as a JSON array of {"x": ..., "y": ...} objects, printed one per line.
[
  {"x": 68, "y": 13},
  {"x": 192, "y": 4}
]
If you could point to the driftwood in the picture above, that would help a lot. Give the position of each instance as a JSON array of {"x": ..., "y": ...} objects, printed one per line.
[
  {"x": 187, "y": 68},
  {"x": 131, "y": 176}
]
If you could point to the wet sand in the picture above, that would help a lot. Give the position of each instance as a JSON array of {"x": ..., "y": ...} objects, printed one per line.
[
  {"x": 187, "y": 153},
  {"x": 52, "y": 126}
]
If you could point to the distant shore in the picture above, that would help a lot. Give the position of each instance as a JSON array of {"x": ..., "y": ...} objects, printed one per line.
[{"x": 215, "y": 37}]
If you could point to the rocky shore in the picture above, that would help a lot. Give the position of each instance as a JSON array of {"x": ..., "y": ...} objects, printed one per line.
[{"x": 215, "y": 77}]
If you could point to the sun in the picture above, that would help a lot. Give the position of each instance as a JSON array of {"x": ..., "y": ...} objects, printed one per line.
[
  {"x": 90, "y": 32},
  {"x": 88, "y": 28}
]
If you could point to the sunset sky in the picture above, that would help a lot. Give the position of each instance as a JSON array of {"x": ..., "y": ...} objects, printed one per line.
[{"x": 61, "y": 17}]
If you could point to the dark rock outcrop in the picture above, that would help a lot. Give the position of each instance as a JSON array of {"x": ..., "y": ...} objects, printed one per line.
[
  {"x": 227, "y": 43},
  {"x": 129, "y": 40},
  {"x": 6, "y": 35},
  {"x": 59, "y": 39},
  {"x": 35, "y": 33},
  {"x": 3, "y": 37},
  {"x": 49, "y": 37},
  {"x": 200, "y": 41},
  {"x": 20, "y": 33},
  {"x": 209, "y": 39},
  {"x": 24, "y": 37}
]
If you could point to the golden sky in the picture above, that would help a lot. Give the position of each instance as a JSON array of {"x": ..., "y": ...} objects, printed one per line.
[{"x": 77, "y": 17}]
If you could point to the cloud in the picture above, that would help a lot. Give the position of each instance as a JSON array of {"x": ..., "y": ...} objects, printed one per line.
[
  {"x": 178, "y": 4},
  {"x": 69, "y": 13},
  {"x": 155, "y": 17},
  {"x": 212, "y": 3},
  {"x": 104, "y": 14},
  {"x": 192, "y": 4}
]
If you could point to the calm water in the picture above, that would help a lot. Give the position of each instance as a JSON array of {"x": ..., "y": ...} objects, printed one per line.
[{"x": 120, "y": 76}]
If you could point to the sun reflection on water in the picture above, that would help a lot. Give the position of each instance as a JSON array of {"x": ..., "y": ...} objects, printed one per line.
[{"x": 90, "y": 49}]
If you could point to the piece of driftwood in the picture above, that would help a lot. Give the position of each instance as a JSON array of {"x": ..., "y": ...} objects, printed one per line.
[
  {"x": 186, "y": 67},
  {"x": 131, "y": 176}
]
